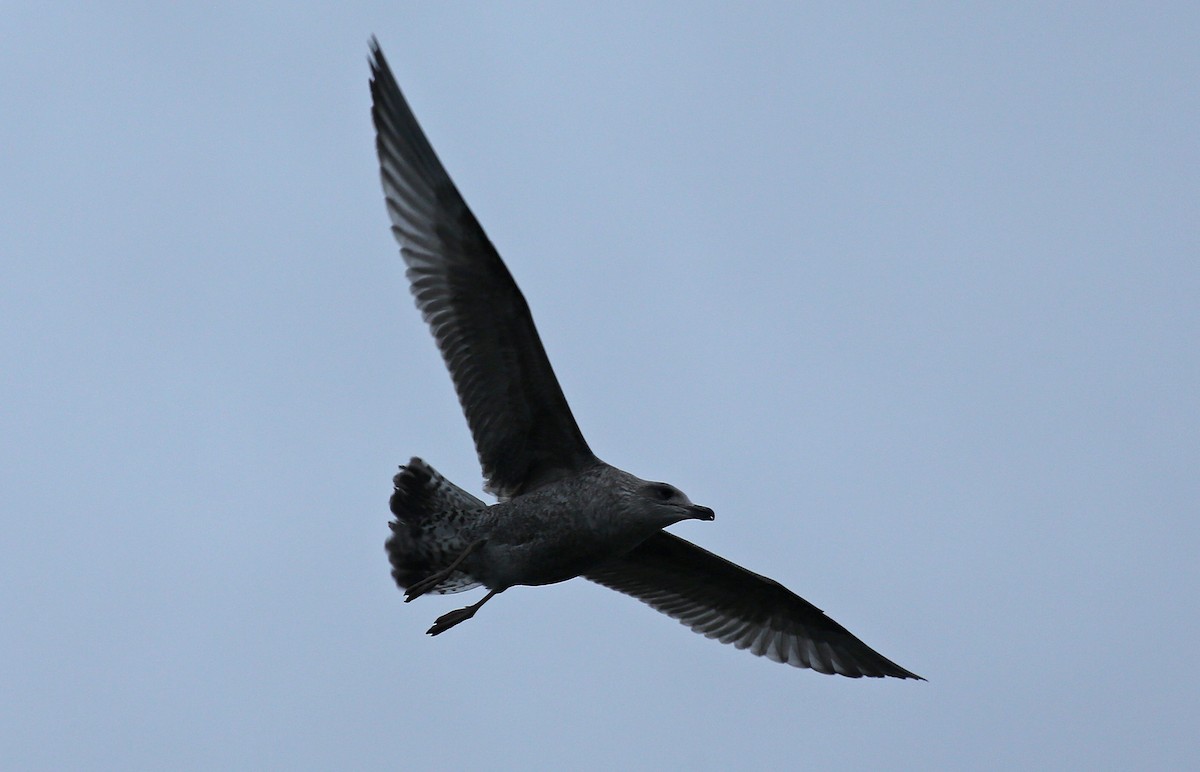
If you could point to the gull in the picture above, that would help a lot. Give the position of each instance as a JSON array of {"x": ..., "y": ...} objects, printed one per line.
[{"x": 561, "y": 511}]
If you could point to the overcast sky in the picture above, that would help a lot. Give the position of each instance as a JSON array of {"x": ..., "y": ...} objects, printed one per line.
[{"x": 908, "y": 295}]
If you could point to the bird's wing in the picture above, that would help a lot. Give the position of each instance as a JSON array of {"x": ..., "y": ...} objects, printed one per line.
[
  {"x": 524, "y": 432},
  {"x": 725, "y": 601}
]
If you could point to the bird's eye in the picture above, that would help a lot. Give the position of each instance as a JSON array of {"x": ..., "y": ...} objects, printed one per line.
[{"x": 662, "y": 492}]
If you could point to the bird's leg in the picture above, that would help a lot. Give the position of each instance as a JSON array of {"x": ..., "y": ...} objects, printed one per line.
[
  {"x": 446, "y": 621},
  {"x": 417, "y": 589}
]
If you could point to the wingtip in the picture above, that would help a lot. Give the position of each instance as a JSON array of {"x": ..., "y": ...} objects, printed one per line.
[
  {"x": 376, "y": 59},
  {"x": 895, "y": 671},
  {"x": 883, "y": 667}
]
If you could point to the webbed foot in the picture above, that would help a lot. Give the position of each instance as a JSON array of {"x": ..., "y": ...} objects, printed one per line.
[
  {"x": 446, "y": 621},
  {"x": 450, "y": 619}
]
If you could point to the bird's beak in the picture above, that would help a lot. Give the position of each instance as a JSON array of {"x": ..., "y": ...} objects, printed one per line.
[{"x": 697, "y": 512}]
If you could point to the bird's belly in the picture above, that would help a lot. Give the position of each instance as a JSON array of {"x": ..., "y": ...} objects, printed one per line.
[{"x": 547, "y": 559}]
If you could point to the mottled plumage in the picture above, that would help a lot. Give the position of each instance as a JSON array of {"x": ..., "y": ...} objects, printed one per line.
[{"x": 562, "y": 512}]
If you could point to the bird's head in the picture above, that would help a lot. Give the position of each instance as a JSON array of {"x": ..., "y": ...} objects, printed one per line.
[{"x": 669, "y": 504}]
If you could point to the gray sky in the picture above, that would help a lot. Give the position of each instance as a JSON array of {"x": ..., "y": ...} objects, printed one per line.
[{"x": 908, "y": 296}]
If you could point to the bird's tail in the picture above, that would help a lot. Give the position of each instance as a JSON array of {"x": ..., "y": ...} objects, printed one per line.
[{"x": 427, "y": 535}]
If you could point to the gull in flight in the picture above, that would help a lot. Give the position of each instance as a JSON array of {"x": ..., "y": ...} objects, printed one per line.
[{"x": 562, "y": 512}]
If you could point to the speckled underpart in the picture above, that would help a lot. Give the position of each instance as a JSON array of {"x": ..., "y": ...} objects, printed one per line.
[{"x": 562, "y": 512}]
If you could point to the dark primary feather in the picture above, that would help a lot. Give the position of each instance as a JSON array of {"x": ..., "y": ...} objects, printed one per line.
[
  {"x": 724, "y": 601},
  {"x": 524, "y": 432}
]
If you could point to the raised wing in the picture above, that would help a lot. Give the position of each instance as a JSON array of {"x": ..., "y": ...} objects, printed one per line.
[
  {"x": 724, "y": 601},
  {"x": 524, "y": 432}
]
